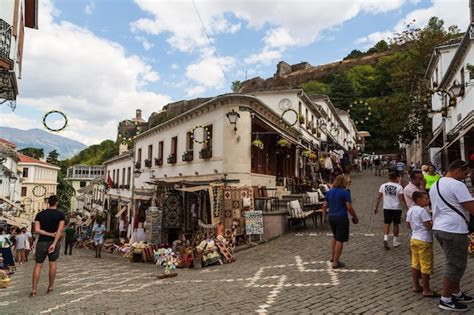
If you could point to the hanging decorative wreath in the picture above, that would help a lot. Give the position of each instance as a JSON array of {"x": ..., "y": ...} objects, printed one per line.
[
  {"x": 288, "y": 110},
  {"x": 27, "y": 201},
  {"x": 38, "y": 193},
  {"x": 360, "y": 107},
  {"x": 55, "y": 112},
  {"x": 206, "y": 137},
  {"x": 128, "y": 130}
]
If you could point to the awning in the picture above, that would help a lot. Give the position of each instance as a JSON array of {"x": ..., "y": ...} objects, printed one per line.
[
  {"x": 124, "y": 208},
  {"x": 436, "y": 134},
  {"x": 16, "y": 223},
  {"x": 10, "y": 202},
  {"x": 461, "y": 134},
  {"x": 88, "y": 222},
  {"x": 142, "y": 197},
  {"x": 193, "y": 188}
]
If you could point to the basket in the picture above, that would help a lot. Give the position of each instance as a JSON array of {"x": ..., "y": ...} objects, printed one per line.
[{"x": 4, "y": 283}]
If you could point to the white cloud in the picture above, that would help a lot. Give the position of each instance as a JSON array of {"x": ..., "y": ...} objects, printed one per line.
[
  {"x": 91, "y": 79},
  {"x": 453, "y": 12},
  {"x": 17, "y": 121},
  {"x": 90, "y": 7},
  {"x": 145, "y": 43},
  {"x": 195, "y": 91},
  {"x": 266, "y": 57},
  {"x": 175, "y": 66},
  {"x": 208, "y": 71},
  {"x": 298, "y": 22}
]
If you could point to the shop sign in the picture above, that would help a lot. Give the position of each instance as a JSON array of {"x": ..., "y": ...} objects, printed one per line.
[
  {"x": 253, "y": 222},
  {"x": 153, "y": 225}
]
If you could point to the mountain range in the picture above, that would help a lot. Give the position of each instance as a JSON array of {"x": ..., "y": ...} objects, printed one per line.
[{"x": 37, "y": 138}]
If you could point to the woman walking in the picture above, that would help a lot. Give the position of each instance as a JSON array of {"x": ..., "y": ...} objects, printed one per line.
[
  {"x": 339, "y": 203},
  {"x": 431, "y": 177},
  {"x": 98, "y": 230}
]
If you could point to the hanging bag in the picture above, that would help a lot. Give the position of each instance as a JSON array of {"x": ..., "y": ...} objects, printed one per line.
[{"x": 470, "y": 222}]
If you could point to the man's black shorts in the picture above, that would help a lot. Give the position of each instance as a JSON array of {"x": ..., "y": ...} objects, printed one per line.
[
  {"x": 42, "y": 251},
  {"x": 340, "y": 228},
  {"x": 392, "y": 216}
]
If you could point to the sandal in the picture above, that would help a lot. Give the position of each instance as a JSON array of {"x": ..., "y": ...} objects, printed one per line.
[
  {"x": 32, "y": 294},
  {"x": 339, "y": 265},
  {"x": 49, "y": 290},
  {"x": 433, "y": 294}
]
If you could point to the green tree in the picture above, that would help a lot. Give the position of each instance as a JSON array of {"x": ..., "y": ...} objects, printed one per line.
[
  {"x": 35, "y": 153},
  {"x": 236, "y": 86},
  {"x": 316, "y": 87},
  {"x": 53, "y": 157},
  {"x": 354, "y": 54},
  {"x": 342, "y": 92},
  {"x": 364, "y": 79},
  {"x": 64, "y": 192}
]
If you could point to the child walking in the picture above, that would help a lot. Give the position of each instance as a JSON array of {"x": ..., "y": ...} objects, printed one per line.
[
  {"x": 421, "y": 244},
  {"x": 393, "y": 199}
]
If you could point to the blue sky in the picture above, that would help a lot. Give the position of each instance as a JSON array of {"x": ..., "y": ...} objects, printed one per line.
[{"x": 99, "y": 60}]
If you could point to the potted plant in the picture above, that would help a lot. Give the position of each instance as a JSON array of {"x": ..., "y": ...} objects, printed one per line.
[
  {"x": 205, "y": 153},
  {"x": 172, "y": 158},
  {"x": 283, "y": 142},
  {"x": 314, "y": 130},
  {"x": 147, "y": 163},
  {"x": 158, "y": 162},
  {"x": 188, "y": 156},
  {"x": 470, "y": 68},
  {"x": 309, "y": 154},
  {"x": 138, "y": 165},
  {"x": 258, "y": 143},
  {"x": 301, "y": 119}
]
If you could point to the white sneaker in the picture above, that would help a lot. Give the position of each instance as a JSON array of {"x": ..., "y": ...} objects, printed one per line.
[{"x": 396, "y": 242}]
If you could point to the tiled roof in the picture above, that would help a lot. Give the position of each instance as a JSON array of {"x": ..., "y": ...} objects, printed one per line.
[
  {"x": 8, "y": 143},
  {"x": 27, "y": 159}
]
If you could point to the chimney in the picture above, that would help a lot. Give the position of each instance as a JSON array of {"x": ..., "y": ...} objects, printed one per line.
[
  {"x": 123, "y": 147},
  {"x": 139, "y": 112}
]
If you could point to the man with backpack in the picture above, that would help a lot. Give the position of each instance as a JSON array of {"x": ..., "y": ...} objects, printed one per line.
[{"x": 452, "y": 206}]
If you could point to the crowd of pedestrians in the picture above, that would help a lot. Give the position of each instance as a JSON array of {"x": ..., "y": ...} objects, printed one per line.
[{"x": 439, "y": 206}]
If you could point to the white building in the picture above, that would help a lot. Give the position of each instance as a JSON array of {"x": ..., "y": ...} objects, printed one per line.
[
  {"x": 10, "y": 182},
  {"x": 14, "y": 17},
  {"x": 118, "y": 200},
  {"x": 451, "y": 75},
  {"x": 39, "y": 181},
  {"x": 79, "y": 176}
]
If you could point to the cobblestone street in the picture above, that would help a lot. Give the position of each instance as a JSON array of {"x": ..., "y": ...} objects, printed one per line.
[{"x": 288, "y": 275}]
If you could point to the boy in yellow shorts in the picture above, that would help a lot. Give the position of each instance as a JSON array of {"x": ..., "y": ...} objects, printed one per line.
[{"x": 421, "y": 244}]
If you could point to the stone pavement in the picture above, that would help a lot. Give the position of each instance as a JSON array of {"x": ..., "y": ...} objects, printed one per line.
[{"x": 288, "y": 275}]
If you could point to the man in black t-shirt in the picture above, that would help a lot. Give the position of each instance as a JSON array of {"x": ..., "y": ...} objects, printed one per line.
[{"x": 49, "y": 224}]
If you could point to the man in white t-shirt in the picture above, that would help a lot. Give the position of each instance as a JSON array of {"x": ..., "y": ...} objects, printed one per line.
[
  {"x": 451, "y": 204},
  {"x": 415, "y": 184},
  {"x": 393, "y": 199}
]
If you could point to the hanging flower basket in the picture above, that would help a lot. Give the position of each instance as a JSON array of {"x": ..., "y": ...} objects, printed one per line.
[
  {"x": 283, "y": 142},
  {"x": 314, "y": 130},
  {"x": 258, "y": 143},
  {"x": 309, "y": 154}
]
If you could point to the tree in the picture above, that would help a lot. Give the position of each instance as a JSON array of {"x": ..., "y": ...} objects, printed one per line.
[
  {"x": 342, "y": 92},
  {"x": 236, "y": 85},
  {"x": 381, "y": 46},
  {"x": 64, "y": 192},
  {"x": 35, "y": 153},
  {"x": 364, "y": 79},
  {"x": 53, "y": 157},
  {"x": 354, "y": 54},
  {"x": 316, "y": 87}
]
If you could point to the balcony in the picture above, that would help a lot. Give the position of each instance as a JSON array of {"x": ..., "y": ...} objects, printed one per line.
[
  {"x": 172, "y": 158},
  {"x": 158, "y": 162},
  {"x": 205, "y": 153},
  {"x": 5, "y": 43},
  {"x": 188, "y": 156},
  {"x": 148, "y": 163}
]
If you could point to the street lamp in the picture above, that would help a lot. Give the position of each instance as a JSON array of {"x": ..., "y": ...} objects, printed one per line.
[
  {"x": 233, "y": 116},
  {"x": 137, "y": 173},
  {"x": 12, "y": 179},
  {"x": 457, "y": 89}
]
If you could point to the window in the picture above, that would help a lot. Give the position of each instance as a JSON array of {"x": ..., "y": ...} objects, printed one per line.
[
  {"x": 299, "y": 110},
  {"x": 25, "y": 172},
  {"x": 118, "y": 177},
  {"x": 139, "y": 156},
  {"x": 189, "y": 141},
  {"x": 129, "y": 174},
  {"x": 208, "y": 136},
  {"x": 306, "y": 118},
  {"x": 108, "y": 174},
  {"x": 462, "y": 77},
  {"x": 174, "y": 145},
  {"x": 150, "y": 152},
  {"x": 160, "y": 150},
  {"x": 123, "y": 176},
  {"x": 113, "y": 178},
  {"x": 23, "y": 191},
  {"x": 82, "y": 184}
]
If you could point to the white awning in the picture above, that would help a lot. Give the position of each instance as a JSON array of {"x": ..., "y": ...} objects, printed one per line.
[
  {"x": 122, "y": 210},
  {"x": 193, "y": 188},
  {"x": 436, "y": 134},
  {"x": 14, "y": 222},
  {"x": 461, "y": 134},
  {"x": 10, "y": 202}
]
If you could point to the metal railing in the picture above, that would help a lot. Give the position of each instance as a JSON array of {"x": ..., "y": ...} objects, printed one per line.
[{"x": 5, "y": 39}]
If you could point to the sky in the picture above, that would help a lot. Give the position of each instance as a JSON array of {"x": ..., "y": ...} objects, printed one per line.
[{"x": 98, "y": 61}]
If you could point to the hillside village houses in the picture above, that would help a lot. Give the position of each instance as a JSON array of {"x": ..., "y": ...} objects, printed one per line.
[
  {"x": 175, "y": 164},
  {"x": 451, "y": 77}
]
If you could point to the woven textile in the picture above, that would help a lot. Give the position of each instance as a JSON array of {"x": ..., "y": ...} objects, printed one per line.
[
  {"x": 232, "y": 214},
  {"x": 215, "y": 196},
  {"x": 173, "y": 211}
]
